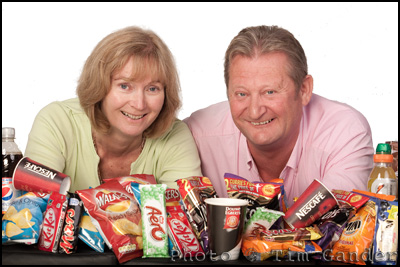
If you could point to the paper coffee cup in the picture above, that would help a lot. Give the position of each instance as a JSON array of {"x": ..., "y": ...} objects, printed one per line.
[
  {"x": 225, "y": 223},
  {"x": 32, "y": 176},
  {"x": 315, "y": 201}
]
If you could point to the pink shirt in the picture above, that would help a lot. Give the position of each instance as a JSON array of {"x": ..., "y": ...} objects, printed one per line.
[{"x": 334, "y": 146}]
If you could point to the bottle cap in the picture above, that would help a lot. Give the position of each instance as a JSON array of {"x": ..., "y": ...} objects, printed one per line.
[
  {"x": 8, "y": 132},
  {"x": 383, "y": 158},
  {"x": 383, "y": 148}
]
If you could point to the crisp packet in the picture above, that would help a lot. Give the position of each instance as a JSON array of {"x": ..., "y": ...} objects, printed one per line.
[
  {"x": 256, "y": 249},
  {"x": 190, "y": 191},
  {"x": 154, "y": 221},
  {"x": 53, "y": 222},
  {"x": 261, "y": 220},
  {"x": 89, "y": 234},
  {"x": 357, "y": 237},
  {"x": 126, "y": 182},
  {"x": 116, "y": 215},
  {"x": 69, "y": 238},
  {"x": 23, "y": 219},
  {"x": 349, "y": 199},
  {"x": 257, "y": 194},
  {"x": 386, "y": 233}
]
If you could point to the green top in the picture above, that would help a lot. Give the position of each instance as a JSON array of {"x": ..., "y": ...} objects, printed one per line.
[{"x": 61, "y": 139}]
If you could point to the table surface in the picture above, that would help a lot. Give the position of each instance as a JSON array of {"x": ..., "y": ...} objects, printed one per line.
[{"x": 19, "y": 254}]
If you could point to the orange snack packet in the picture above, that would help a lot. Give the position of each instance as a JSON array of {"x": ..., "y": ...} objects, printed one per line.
[{"x": 355, "y": 241}]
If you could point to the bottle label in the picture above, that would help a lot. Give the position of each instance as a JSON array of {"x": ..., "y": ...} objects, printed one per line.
[{"x": 387, "y": 186}]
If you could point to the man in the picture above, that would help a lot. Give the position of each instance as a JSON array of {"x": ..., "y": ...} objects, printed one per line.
[{"x": 273, "y": 126}]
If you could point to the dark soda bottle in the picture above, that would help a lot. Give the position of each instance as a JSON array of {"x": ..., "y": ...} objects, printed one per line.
[{"x": 11, "y": 156}]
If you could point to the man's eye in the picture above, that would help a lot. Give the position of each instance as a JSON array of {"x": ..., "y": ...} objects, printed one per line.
[
  {"x": 241, "y": 94},
  {"x": 269, "y": 92}
]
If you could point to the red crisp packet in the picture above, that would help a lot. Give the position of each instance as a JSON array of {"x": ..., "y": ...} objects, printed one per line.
[
  {"x": 116, "y": 214},
  {"x": 53, "y": 222},
  {"x": 349, "y": 199},
  {"x": 257, "y": 194},
  {"x": 126, "y": 181}
]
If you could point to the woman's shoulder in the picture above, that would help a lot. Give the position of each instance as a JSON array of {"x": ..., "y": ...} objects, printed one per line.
[{"x": 70, "y": 106}]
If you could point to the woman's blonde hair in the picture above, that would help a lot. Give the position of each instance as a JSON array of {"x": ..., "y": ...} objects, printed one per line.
[
  {"x": 259, "y": 40},
  {"x": 151, "y": 57}
]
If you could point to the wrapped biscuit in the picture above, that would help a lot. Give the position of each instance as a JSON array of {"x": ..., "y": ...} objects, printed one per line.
[
  {"x": 116, "y": 215},
  {"x": 53, "y": 222},
  {"x": 385, "y": 244}
]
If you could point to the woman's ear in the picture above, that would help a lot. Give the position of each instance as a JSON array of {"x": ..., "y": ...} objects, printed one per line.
[{"x": 306, "y": 89}]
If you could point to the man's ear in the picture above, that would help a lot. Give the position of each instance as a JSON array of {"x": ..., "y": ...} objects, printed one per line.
[{"x": 306, "y": 89}]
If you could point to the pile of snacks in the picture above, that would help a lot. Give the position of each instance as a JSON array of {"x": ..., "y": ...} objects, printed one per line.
[{"x": 135, "y": 217}]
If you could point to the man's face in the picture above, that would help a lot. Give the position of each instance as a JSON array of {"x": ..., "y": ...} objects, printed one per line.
[{"x": 264, "y": 103}]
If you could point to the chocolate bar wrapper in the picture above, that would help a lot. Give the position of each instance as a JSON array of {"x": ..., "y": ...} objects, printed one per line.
[
  {"x": 53, "y": 222},
  {"x": 69, "y": 237},
  {"x": 294, "y": 234},
  {"x": 181, "y": 233},
  {"x": 195, "y": 208},
  {"x": 154, "y": 221}
]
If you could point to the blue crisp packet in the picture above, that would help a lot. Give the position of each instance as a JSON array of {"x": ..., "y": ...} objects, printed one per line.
[
  {"x": 89, "y": 234},
  {"x": 23, "y": 219},
  {"x": 136, "y": 191}
]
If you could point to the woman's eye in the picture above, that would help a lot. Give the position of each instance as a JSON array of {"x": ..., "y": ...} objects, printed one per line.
[
  {"x": 124, "y": 86},
  {"x": 153, "y": 89}
]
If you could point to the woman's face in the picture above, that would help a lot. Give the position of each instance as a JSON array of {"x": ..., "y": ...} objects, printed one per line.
[{"x": 131, "y": 106}]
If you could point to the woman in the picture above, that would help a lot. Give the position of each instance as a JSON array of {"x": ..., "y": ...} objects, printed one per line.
[{"x": 124, "y": 119}]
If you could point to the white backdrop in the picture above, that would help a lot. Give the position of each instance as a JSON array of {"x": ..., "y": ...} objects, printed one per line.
[{"x": 352, "y": 51}]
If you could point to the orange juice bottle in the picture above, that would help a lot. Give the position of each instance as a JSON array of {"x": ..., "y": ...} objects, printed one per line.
[{"x": 382, "y": 179}]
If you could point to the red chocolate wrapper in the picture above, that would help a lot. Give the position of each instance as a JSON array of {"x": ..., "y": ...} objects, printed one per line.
[
  {"x": 69, "y": 237},
  {"x": 32, "y": 176},
  {"x": 53, "y": 222},
  {"x": 315, "y": 201}
]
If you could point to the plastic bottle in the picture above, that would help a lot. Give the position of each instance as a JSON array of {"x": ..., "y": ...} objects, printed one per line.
[
  {"x": 11, "y": 156},
  {"x": 382, "y": 179}
]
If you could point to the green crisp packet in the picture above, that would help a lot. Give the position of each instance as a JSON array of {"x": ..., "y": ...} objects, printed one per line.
[
  {"x": 261, "y": 220},
  {"x": 154, "y": 221}
]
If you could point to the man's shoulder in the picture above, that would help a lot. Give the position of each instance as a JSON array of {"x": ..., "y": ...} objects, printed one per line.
[
  {"x": 324, "y": 113},
  {"x": 214, "y": 119}
]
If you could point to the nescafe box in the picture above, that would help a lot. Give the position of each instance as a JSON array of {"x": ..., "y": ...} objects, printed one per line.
[{"x": 53, "y": 222}]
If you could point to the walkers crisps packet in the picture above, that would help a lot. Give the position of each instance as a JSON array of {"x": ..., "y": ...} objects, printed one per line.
[
  {"x": 116, "y": 214},
  {"x": 257, "y": 194},
  {"x": 23, "y": 220}
]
